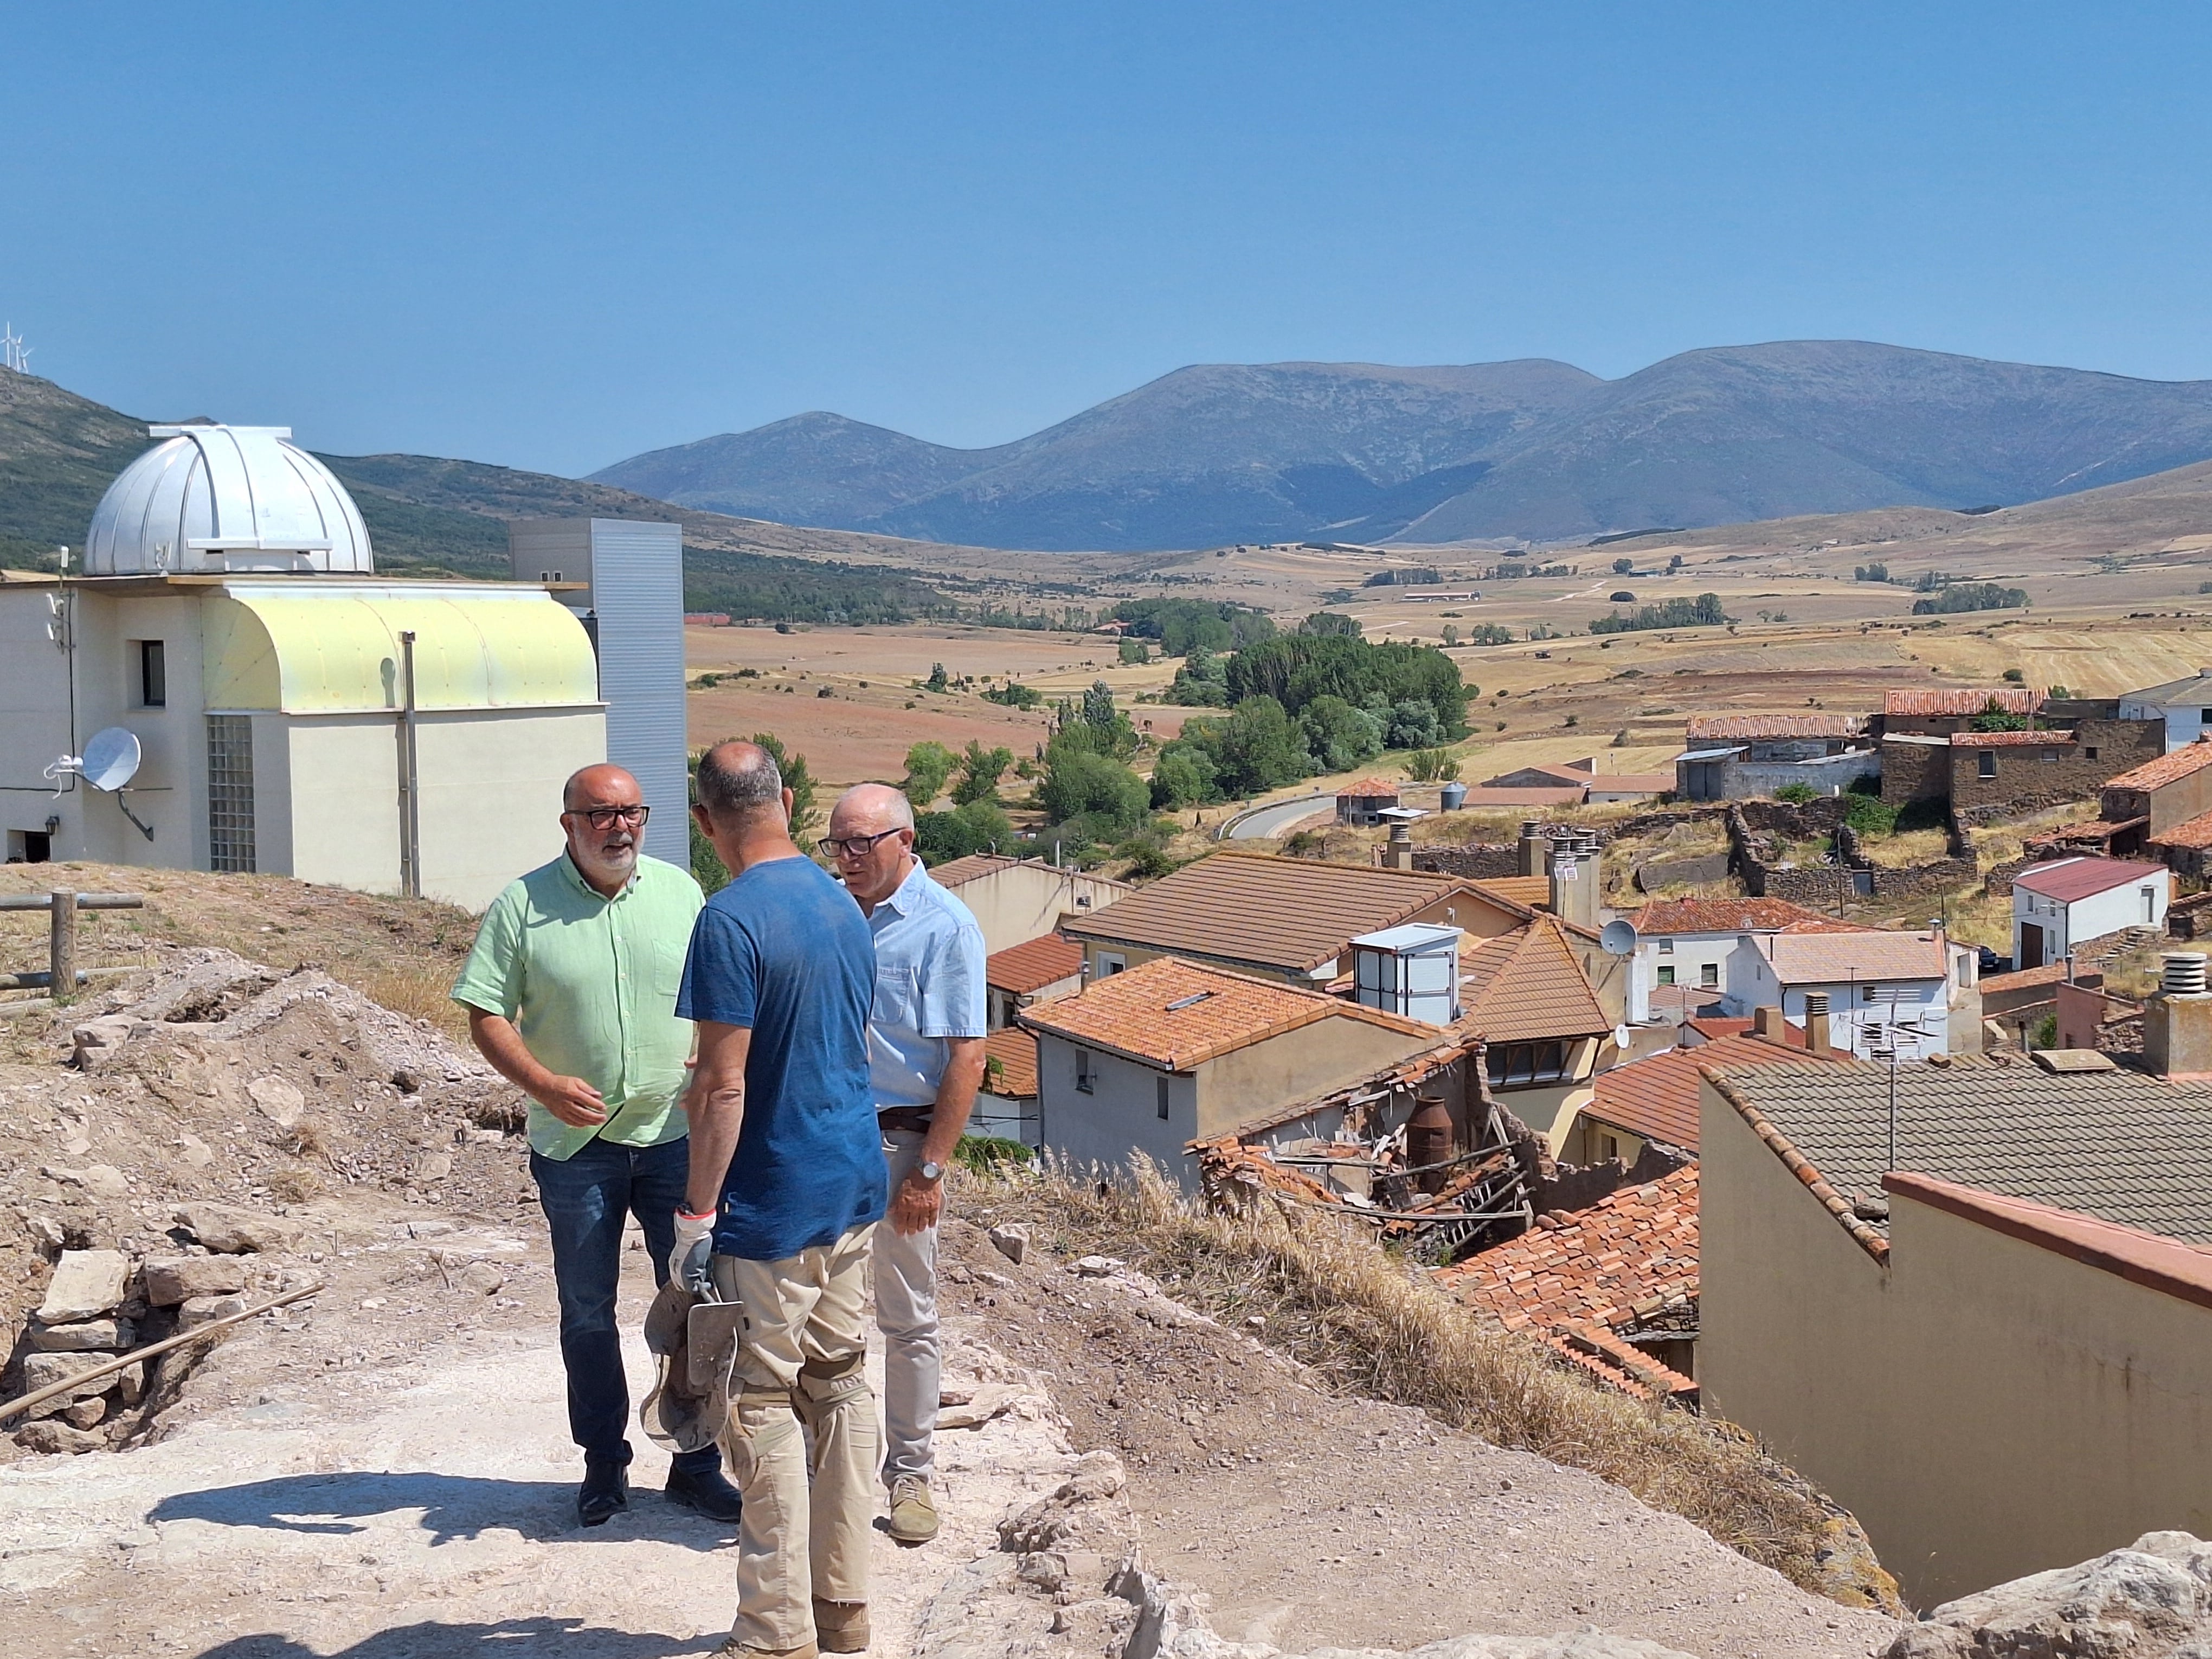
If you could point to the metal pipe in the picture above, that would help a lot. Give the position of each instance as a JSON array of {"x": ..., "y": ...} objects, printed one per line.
[{"x": 410, "y": 818}]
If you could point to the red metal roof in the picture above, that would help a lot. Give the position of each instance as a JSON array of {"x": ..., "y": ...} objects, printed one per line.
[{"x": 2070, "y": 879}]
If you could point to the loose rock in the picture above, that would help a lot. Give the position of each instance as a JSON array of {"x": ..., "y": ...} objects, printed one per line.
[
  {"x": 2148, "y": 1601},
  {"x": 278, "y": 1100},
  {"x": 171, "y": 1280},
  {"x": 230, "y": 1231},
  {"x": 85, "y": 1283},
  {"x": 52, "y": 1438},
  {"x": 204, "y": 1310},
  {"x": 43, "y": 1370},
  {"x": 92, "y": 1336},
  {"x": 1012, "y": 1242}
]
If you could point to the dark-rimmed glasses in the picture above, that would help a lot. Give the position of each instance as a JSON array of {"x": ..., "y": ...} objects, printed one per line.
[
  {"x": 854, "y": 847},
  {"x": 605, "y": 817}
]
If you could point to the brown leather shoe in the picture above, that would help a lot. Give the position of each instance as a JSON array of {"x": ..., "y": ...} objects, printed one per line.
[{"x": 841, "y": 1626}]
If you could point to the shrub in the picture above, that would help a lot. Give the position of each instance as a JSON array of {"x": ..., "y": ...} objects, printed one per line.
[
  {"x": 937, "y": 680},
  {"x": 1135, "y": 651},
  {"x": 1867, "y": 815},
  {"x": 2014, "y": 676},
  {"x": 1971, "y": 596},
  {"x": 1013, "y": 695},
  {"x": 1797, "y": 793},
  {"x": 928, "y": 764},
  {"x": 1432, "y": 766},
  {"x": 1704, "y": 611}
]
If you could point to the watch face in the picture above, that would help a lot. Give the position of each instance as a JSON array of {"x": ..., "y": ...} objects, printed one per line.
[{"x": 933, "y": 1171}]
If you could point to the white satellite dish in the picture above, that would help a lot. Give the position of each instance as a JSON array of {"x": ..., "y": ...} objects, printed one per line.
[
  {"x": 1620, "y": 1038},
  {"x": 1619, "y": 938},
  {"x": 111, "y": 759}
]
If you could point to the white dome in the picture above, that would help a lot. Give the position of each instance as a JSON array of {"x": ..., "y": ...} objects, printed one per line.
[{"x": 215, "y": 498}]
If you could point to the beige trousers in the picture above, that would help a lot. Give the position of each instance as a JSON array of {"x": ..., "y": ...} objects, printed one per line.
[{"x": 798, "y": 1373}]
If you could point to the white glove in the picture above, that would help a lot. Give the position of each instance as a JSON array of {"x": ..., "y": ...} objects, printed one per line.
[{"x": 695, "y": 1236}]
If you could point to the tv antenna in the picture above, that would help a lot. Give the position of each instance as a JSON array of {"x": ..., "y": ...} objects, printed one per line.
[{"x": 14, "y": 353}]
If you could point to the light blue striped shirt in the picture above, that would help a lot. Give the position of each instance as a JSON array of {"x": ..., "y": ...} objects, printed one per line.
[{"x": 929, "y": 987}]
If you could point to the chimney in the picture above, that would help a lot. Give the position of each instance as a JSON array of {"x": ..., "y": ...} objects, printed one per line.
[
  {"x": 1816, "y": 1023},
  {"x": 1398, "y": 851},
  {"x": 2178, "y": 1019},
  {"x": 1574, "y": 872},
  {"x": 1768, "y": 1025},
  {"x": 1531, "y": 860}
]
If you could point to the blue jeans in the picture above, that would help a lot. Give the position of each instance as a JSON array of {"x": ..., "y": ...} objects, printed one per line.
[{"x": 587, "y": 1200}]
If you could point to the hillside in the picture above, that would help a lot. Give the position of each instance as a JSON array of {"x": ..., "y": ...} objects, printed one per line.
[
  {"x": 59, "y": 452},
  {"x": 1535, "y": 450}
]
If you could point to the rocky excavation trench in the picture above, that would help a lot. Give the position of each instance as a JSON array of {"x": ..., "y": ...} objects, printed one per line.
[{"x": 382, "y": 1471}]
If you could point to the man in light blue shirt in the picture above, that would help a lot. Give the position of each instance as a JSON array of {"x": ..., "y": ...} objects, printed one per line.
[{"x": 925, "y": 1062}]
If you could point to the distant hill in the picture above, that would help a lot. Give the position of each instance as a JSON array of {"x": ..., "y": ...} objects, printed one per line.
[
  {"x": 59, "y": 452},
  {"x": 1533, "y": 450}
]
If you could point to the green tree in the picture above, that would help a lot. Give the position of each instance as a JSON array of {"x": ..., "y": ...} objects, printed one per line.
[
  {"x": 1098, "y": 706},
  {"x": 1184, "y": 776},
  {"x": 1330, "y": 625},
  {"x": 1432, "y": 766},
  {"x": 928, "y": 764},
  {"x": 707, "y": 866},
  {"x": 1012, "y": 695},
  {"x": 1413, "y": 725},
  {"x": 937, "y": 680},
  {"x": 1451, "y": 635},
  {"x": 1135, "y": 651},
  {"x": 1341, "y": 736},
  {"x": 1082, "y": 784},
  {"x": 1258, "y": 748},
  {"x": 980, "y": 771},
  {"x": 1624, "y": 566},
  {"x": 1201, "y": 680},
  {"x": 979, "y": 827}
]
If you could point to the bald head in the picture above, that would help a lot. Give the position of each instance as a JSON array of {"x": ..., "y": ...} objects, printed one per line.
[
  {"x": 738, "y": 781},
  {"x": 600, "y": 785},
  {"x": 867, "y": 807}
]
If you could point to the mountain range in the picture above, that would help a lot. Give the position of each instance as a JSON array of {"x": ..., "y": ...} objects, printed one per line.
[{"x": 1531, "y": 450}]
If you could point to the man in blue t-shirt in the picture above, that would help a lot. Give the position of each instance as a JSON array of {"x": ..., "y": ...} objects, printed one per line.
[{"x": 786, "y": 1183}]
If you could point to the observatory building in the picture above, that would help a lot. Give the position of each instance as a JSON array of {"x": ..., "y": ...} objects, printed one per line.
[{"x": 289, "y": 711}]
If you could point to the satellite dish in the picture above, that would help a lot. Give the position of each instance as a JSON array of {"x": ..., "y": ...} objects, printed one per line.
[
  {"x": 111, "y": 759},
  {"x": 1619, "y": 938},
  {"x": 1621, "y": 1037}
]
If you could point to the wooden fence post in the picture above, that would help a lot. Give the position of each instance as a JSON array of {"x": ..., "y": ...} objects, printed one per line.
[{"x": 62, "y": 953}]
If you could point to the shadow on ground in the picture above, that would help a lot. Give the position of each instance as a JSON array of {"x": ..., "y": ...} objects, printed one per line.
[
  {"x": 453, "y": 1506},
  {"x": 521, "y": 1639}
]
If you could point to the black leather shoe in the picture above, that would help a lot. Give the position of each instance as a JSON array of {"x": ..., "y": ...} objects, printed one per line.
[
  {"x": 707, "y": 1491},
  {"x": 605, "y": 1492}
]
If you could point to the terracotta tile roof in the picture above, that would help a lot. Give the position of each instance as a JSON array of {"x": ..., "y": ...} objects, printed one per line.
[
  {"x": 1823, "y": 956},
  {"x": 1525, "y": 986},
  {"x": 1730, "y": 728},
  {"x": 1288, "y": 915},
  {"x": 2169, "y": 767},
  {"x": 1534, "y": 892},
  {"x": 1602, "y": 1268},
  {"x": 1177, "y": 1015},
  {"x": 1657, "y": 1097},
  {"x": 2025, "y": 979},
  {"x": 2011, "y": 740},
  {"x": 1565, "y": 795},
  {"x": 1033, "y": 964},
  {"x": 1015, "y": 1052},
  {"x": 2196, "y": 834},
  {"x": 2118, "y": 1145},
  {"x": 1714, "y": 1027},
  {"x": 1731, "y": 916},
  {"x": 953, "y": 871},
  {"x": 2012, "y": 699},
  {"x": 2070, "y": 879},
  {"x": 1567, "y": 776},
  {"x": 1618, "y": 1364},
  {"x": 1362, "y": 788}
]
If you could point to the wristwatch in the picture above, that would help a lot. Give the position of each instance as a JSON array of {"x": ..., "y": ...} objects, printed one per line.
[{"x": 932, "y": 1173}]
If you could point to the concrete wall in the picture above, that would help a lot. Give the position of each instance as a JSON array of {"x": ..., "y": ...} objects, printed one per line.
[
  {"x": 2182, "y": 723},
  {"x": 2066, "y": 926},
  {"x": 1691, "y": 956},
  {"x": 1018, "y": 903},
  {"x": 1262, "y": 1077},
  {"x": 1119, "y": 1116}
]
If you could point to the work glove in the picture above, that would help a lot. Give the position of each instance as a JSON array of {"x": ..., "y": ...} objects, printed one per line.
[{"x": 694, "y": 1246}]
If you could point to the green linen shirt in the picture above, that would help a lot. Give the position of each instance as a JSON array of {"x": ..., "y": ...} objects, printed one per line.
[{"x": 591, "y": 984}]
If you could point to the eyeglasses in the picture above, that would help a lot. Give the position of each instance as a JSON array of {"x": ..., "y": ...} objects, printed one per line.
[
  {"x": 852, "y": 846},
  {"x": 605, "y": 817}
]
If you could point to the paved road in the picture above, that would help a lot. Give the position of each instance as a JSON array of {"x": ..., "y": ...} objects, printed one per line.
[{"x": 1274, "y": 820}]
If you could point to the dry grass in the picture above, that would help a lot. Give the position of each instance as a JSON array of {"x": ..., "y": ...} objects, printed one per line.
[
  {"x": 1331, "y": 1299},
  {"x": 418, "y": 994},
  {"x": 1906, "y": 848}
]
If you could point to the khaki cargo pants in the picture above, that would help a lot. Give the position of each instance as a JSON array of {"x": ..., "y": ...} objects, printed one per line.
[{"x": 798, "y": 1373}]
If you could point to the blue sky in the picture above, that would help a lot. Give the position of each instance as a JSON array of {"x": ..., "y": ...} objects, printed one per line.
[{"x": 551, "y": 236}]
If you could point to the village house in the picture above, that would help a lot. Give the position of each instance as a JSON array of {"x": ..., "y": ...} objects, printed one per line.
[
  {"x": 1016, "y": 900},
  {"x": 1612, "y": 1289},
  {"x": 1147, "y": 1060},
  {"x": 1734, "y": 756},
  {"x": 1035, "y": 971},
  {"x": 2183, "y": 707},
  {"x": 1592, "y": 786},
  {"x": 1945, "y": 1294},
  {"x": 2161, "y": 794},
  {"x": 1990, "y": 773},
  {"x": 1940, "y": 713},
  {"x": 2058, "y": 907},
  {"x": 1915, "y": 991},
  {"x": 1361, "y": 803},
  {"x": 1006, "y": 1104},
  {"x": 1286, "y": 918},
  {"x": 1527, "y": 996},
  {"x": 1654, "y": 1101},
  {"x": 1687, "y": 943}
]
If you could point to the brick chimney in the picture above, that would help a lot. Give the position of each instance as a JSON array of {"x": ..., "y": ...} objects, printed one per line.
[
  {"x": 2178, "y": 1019},
  {"x": 1816, "y": 1024}
]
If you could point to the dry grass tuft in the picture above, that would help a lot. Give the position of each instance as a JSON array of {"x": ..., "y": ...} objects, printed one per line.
[
  {"x": 417, "y": 994},
  {"x": 1333, "y": 1300},
  {"x": 296, "y": 1184}
]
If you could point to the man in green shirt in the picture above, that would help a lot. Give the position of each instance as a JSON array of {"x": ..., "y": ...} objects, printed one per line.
[{"x": 571, "y": 993}]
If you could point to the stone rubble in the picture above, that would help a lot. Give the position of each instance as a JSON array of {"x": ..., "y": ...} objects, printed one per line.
[{"x": 2150, "y": 1600}]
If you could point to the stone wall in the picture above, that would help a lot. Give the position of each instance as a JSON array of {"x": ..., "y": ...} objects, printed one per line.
[
  {"x": 1476, "y": 861},
  {"x": 1914, "y": 771},
  {"x": 2028, "y": 776}
]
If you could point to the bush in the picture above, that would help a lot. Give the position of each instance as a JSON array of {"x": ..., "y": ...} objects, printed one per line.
[
  {"x": 937, "y": 680},
  {"x": 1867, "y": 816},
  {"x": 1432, "y": 766},
  {"x": 1135, "y": 651},
  {"x": 1704, "y": 611},
  {"x": 1013, "y": 695},
  {"x": 927, "y": 766},
  {"x": 1797, "y": 793},
  {"x": 1081, "y": 784},
  {"x": 2014, "y": 676}
]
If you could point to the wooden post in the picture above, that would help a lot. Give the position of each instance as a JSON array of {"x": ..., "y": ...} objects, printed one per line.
[{"x": 62, "y": 949}]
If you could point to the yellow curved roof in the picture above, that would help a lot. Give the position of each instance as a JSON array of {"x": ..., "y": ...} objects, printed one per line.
[{"x": 332, "y": 648}]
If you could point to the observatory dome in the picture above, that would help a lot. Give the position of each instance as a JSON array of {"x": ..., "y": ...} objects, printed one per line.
[{"x": 216, "y": 498}]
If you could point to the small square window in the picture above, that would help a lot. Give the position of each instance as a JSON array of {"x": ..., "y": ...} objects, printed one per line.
[
  {"x": 1986, "y": 764},
  {"x": 1666, "y": 973},
  {"x": 1709, "y": 976},
  {"x": 1084, "y": 1075},
  {"x": 1665, "y": 947},
  {"x": 2091, "y": 751},
  {"x": 1161, "y": 1098}
]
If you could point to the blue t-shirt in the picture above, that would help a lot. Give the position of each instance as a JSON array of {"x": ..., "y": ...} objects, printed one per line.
[{"x": 784, "y": 951}]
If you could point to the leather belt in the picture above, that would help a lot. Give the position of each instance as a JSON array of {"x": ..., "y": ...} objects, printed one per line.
[{"x": 911, "y": 1119}]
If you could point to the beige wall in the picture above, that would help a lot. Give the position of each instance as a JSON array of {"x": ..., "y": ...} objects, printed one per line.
[
  {"x": 1263, "y": 1078},
  {"x": 1986, "y": 1408},
  {"x": 1022, "y": 902}
]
